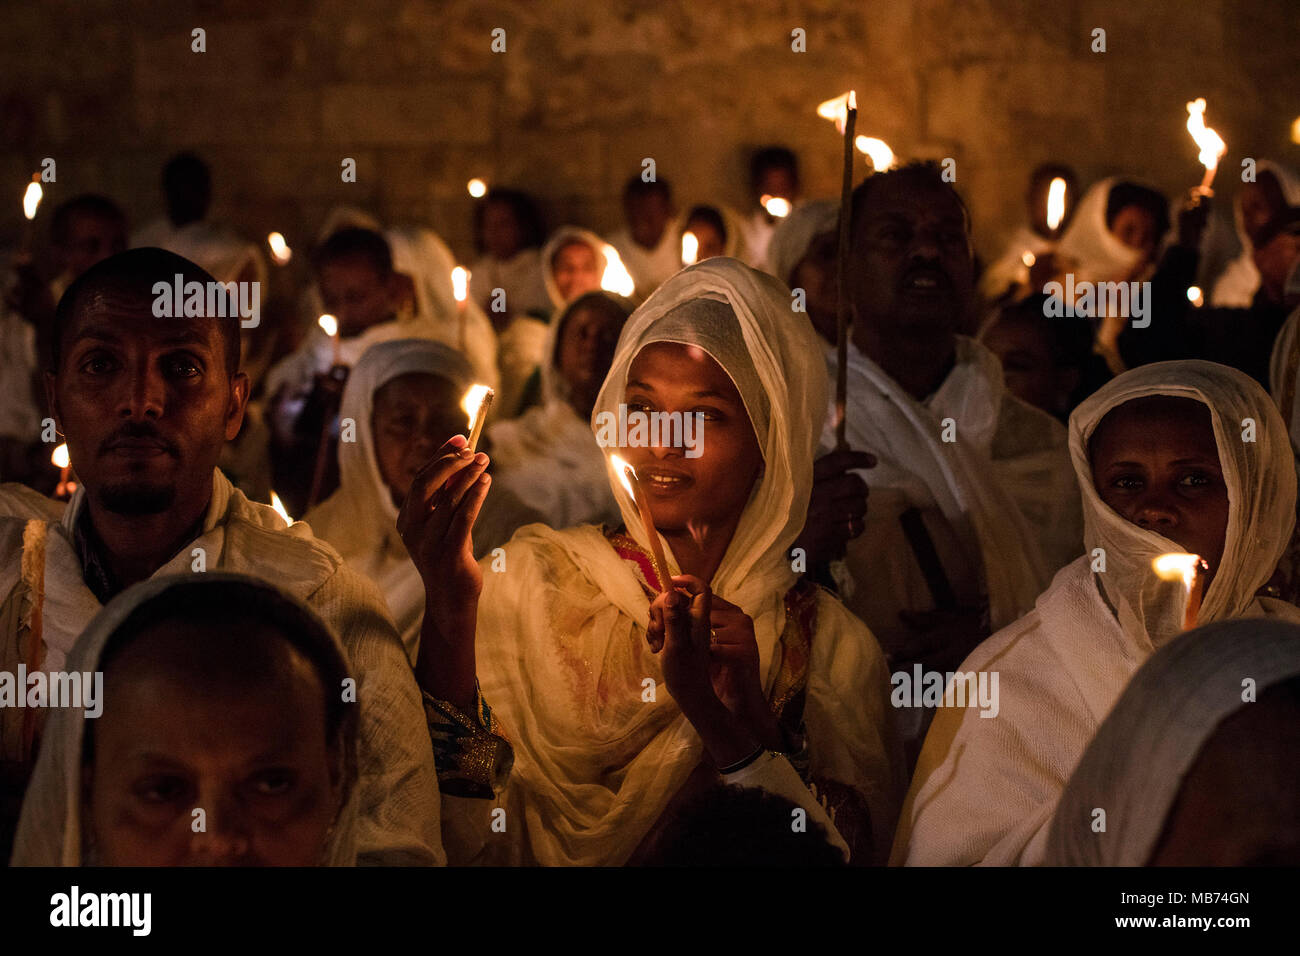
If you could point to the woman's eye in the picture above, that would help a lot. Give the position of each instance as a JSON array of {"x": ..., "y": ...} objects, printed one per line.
[
  {"x": 162, "y": 789},
  {"x": 638, "y": 407},
  {"x": 1127, "y": 483},
  {"x": 710, "y": 414},
  {"x": 1195, "y": 479},
  {"x": 273, "y": 783}
]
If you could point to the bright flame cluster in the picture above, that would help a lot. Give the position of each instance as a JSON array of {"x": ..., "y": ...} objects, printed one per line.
[
  {"x": 473, "y": 401},
  {"x": 616, "y": 278},
  {"x": 621, "y": 468},
  {"x": 477, "y": 188},
  {"x": 1210, "y": 143},
  {"x": 837, "y": 109},
  {"x": 329, "y": 325},
  {"x": 1055, "y": 202},
  {"x": 777, "y": 206},
  {"x": 690, "y": 248},
  {"x": 877, "y": 150},
  {"x": 1176, "y": 566},
  {"x": 31, "y": 199},
  {"x": 460, "y": 283},
  {"x": 280, "y": 250}
]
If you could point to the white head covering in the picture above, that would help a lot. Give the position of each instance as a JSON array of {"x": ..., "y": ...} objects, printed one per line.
[
  {"x": 778, "y": 369},
  {"x": 1261, "y": 482},
  {"x": 49, "y": 830},
  {"x": 360, "y": 519},
  {"x": 561, "y": 237},
  {"x": 795, "y": 233},
  {"x": 1135, "y": 765},
  {"x": 1098, "y": 254},
  {"x": 1237, "y": 286}
]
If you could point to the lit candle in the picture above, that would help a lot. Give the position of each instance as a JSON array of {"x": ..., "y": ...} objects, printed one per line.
[
  {"x": 877, "y": 150},
  {"x": 280, "y": 509},
  {"x": 690, "y": 248},
  {"x": 477, "y": 188},
  {"x": 616, "y": 278},
  {"x": 476, "y": 403},
  {"x": 1028, "y": 258},
  {"x": 776, "y": 206},
  {"x": 627, "y": 475},
  {"x": 1055, "y": 204},
  {"x": 1195, "y": 296},
  {"x": 1188, "y": 568},
  {"x": 31, "y": 202},
  {"x": 850, "y": 118},
  {"x": 330, "y": 326},
  {"x": 280, "y": 250},
  {"x": 460, "y": 289},
  {"x": 61, "y": 459},
  {"x": 1209, "y": 142}
]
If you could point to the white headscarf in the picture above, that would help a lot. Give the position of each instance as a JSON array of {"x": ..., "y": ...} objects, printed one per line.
[
  {"x": 1135, "y": 765},
  {"x": 795, "y": 233},
  {"x": 595, "y": 764},
  {"x": 360, "y": 519},
  {"x": 1261, "y": 482},
  {"x": 49, "y": 830},
  {"x": 562, "y": 237},
  {"x": 1098, "y": 254}
]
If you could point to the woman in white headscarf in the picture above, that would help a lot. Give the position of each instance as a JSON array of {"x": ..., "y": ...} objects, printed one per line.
[
  {"x": 1220, "y": 484},
  {"x": 801, "y": 254},
  {"x": 360, "y": 518},
  {"x": 176, "y": 654},
  {"x": 562, "y": 642},
  {"x": 1255, "y": 204},
  {"x": 548, "y": 456},
  {"x": 1195, "y": 766}
]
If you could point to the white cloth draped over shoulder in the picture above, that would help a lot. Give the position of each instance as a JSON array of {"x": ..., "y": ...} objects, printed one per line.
[
  {"x": 226, "y": 255},
  {"x": 1236, "y": 286},
  {"x": 1136, "y": 763},
  {"x": 1092, "y": 252},
  {"x": 50, "y": 830},
  {"x": 984, "y": 789},
  {"x": 1002, "y": 491},
  {"x": 520, "y": 277},
  {"x": 548, "y": 456},
  {"x": 561, "y": 637},
  {"x": 397, "y": 789},
  {"x": 360, "y": 519},
  {"x": 795, "y": 233}
]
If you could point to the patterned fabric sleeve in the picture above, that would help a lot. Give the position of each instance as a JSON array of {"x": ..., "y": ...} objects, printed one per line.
[{"x": 472, "y": 756}]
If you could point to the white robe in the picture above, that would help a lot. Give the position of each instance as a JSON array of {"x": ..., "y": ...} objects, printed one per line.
[
  {"x": 19, "y": 417},
  {"x": 650, "y": 268},
  {"x": 222, "y": 252},
  {"x": 399, "y": 805},
  {"x": 985, "y": 789},
  {"x": 521, "y": 278}
]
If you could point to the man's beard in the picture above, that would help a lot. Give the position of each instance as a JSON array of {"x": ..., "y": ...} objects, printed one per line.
[{"x": 138, "y": 498}]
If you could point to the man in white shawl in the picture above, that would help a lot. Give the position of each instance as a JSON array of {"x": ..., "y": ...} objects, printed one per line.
[
  {"x": 570, "y": 646},
  {"x": 208, "y": 685},
  {"x": 1192, "y": 458},
  {"x": 1195, "y": 765},
  {"x": 145, "y": 406},
  {"x": 548, "y": 456},
  {"x": 649, "y": 243},
  {"x": 390, "y": 433},
  {"x": 972, "y": 504}
]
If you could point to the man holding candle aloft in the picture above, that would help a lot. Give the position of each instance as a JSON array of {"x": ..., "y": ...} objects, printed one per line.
[{"x": 616, "y": 699}]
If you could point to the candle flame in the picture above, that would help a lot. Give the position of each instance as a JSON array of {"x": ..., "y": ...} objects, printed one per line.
[
  {"x": 877, "y": 150},
  {"x": 1195, "y": 296},
  {"x": 1176, "y": 566},
  {"x": 473, "y": 401},
  {"x": 280, "y": 509},
  {"x": 32, "y": 199},
  {"x": 59, "y": 457},
  {"x": 1055, "y": 202},
  {"x": 776, "y": 206},
  {"x": 1295, "y": 130},
  {"x": 460, "y": 283},
  {"x": 280, "y": 250},
  {"x": 690, "y": 248},
  {"x": 1211, "y": 145},
  {"x": 329, "y": 324},
  {"x": 616, "y": 278},
  {"x": 621, "y": 469},
  {"x": 837, "y": 109},
  {"x": 477, "y": 188},
  {"x": 1028, "y": 258}
]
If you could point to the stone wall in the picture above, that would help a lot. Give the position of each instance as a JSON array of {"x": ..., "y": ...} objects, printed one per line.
[{"x": 585, "y": 90}]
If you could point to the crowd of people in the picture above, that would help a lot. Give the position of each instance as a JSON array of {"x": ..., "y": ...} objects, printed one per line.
[{"x": 510, "y": 654}]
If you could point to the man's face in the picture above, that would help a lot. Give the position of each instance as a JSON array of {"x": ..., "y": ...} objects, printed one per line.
[
  {"x": 647, "y": 218},
  {"x": 145, "y": 403},
  {"x": 356, "y": 294},
  {"x": 91, "y": 239},
  {"x": 911, "y": 269},
  {"x": 1260, "y": 202},
  {"x": 502, "y": 236},
  {"x": 586, "y": 350},
  {"x": 815, "y": 274}
]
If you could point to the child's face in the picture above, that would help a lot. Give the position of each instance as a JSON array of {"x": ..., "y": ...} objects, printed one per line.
[
  {"x": 255, "y": 760},
  {"x": 413, "y": 415},
  {"x": 1156, "y": 463}
]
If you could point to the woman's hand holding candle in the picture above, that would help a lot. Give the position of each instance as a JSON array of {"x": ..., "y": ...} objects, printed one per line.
[{"x": 436, "y": 525}]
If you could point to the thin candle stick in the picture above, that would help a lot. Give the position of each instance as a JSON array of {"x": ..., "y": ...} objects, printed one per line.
[
  {"x": 648, "y": 523},
  {"x": 842, "y": 268}
]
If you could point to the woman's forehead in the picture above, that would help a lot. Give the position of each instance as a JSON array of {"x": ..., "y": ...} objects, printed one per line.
[
  {"x": 678, "y": 364},
  {"x": 1150, "y": 419}
]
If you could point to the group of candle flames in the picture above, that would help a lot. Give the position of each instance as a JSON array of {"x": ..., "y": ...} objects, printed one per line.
[{"x": 842, "y": 110}]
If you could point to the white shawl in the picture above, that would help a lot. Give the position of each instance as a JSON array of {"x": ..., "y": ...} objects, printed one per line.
[
  {"x": 1135, "y": 765},
  {"x": 561, "y": 639},
  {"x": 1096, "y": 252},
  {"x": 795, "y": 233},
  {"x": 49, "y": 831},
  {"x": 563, "y": 237},
  {"x": 985, "y": 788},
  {"x": 1236, "y": 286}
]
